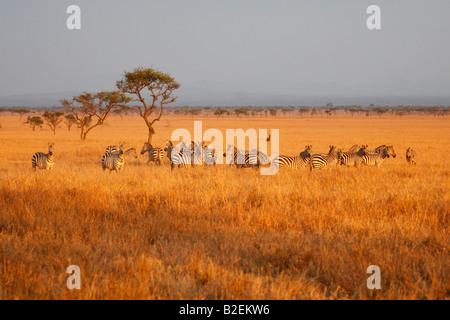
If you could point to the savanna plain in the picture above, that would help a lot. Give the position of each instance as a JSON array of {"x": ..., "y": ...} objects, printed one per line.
[{"x": 221, "y": 232}]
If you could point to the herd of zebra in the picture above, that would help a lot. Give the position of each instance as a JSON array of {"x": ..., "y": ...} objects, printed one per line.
[{"x": 114, "y": 156}]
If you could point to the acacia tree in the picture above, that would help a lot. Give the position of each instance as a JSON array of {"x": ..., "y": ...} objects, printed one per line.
[
  {"x": 35, "y": 122},
  {"x": 53, "y": 119},
  {"x": 158, "y": 85},
  {"x": 91, "y": 109},
  {"x": 70, "y": 120}
]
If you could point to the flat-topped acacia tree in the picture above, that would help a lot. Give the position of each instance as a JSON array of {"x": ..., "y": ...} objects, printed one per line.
[
  {"x": 158, "y": 85},
  {"x": 91, "y": 109}
]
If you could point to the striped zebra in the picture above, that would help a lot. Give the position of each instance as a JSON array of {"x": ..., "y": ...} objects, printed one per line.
[
  {"x": 321, "y": 160},
  {"x": 196, "y": 153},
  {"x": 42, "y": 160},
  {"x": 411, "y": 156},
  {"x": 154, "y": 154},
  {"x": 377, "y": 149},
  {"x": 177, "y": 157},
  {"x": 209, "y": 155},
  {"x": 376, "y": 159},
  {"x": 114, "y": 149},
  {"x": 352, "y": 158},
  {"x": 240, "y": 158},
  {"x": 115, "y": 161},
  {"x": 356, "y": 148},
  {"x": 300, "y": 161}
]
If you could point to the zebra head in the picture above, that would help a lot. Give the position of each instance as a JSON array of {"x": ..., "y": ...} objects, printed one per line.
[
  {"x": 147, "y": 147},
  {"x": 169, "y": 146},
  {"x": 50, "y": 147},
  {"x": 307, "y": 152},
  {"x": 390, "y": 151},
  {"x": 332, "y": 150},
  {"x": 131, "y": 151},
  {"x": 362, "y": 151}
]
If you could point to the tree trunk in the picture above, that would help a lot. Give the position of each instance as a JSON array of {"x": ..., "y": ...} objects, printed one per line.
[{"x": 151, "y": 132}]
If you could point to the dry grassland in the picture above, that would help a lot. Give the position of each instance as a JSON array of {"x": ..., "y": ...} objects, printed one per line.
[{"x": 224, "y": 233}]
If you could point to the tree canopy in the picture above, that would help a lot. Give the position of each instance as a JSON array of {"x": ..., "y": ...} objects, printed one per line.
[{"x": 142, "y": 82}]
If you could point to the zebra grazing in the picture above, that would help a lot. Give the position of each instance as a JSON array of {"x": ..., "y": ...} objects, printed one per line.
[
  {"x": 411, "y": 156},
  {"x": 320, "y": 161},
  {"x": 42, "y": 160},
  {"x": 352, "y": 158},
  {"x": 154, "y": 154},
  {"x": 301, "y": 161}
]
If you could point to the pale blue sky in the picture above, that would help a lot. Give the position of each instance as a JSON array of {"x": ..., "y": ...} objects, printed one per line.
[{"x": 193, "y": 40}]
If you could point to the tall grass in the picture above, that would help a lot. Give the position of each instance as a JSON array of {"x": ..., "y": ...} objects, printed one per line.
[{"x": 224, "y": 233}]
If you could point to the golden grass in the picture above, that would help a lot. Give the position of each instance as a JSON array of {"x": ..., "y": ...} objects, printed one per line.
[{"x": 223, "y": 233}]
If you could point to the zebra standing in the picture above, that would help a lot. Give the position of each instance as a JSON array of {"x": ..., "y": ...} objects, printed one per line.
[
  {"x": 176, "y": 155},
  {"x": 240, "y": 158},
  {"x": 411, "y": 156},
  {"x": 377, "y": 149},
  {"x": 113, "y": 161},
  {"x": 352, "y": 158},
  {"x": 114, "y": 149},
  {"x": 301, "y": 161},
  {"x": 116, "y": 160},
  {"x": 320, "y": 161},
  {"x": 154, "y": 154},
  {"x": 209, "y": 155},
  {"x": 42, "y": 160},
  {"x": 376, "y": 159}
]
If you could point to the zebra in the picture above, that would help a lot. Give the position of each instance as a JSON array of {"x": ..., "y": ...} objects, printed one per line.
[
  {"x": 390, "y": 150},
  {"x": 411, "y": 156},
  {"x": 209, "y": 155},
  {"x": 180, "y": 158},
  {"x": 116, "y": 161},
  {"x": 241, "y": 158},
  {"x": 319, "y": 161},
  {"x": 352, "y": 158},
  {"x": 356, "y": 148},
  {"x": 131, "y": 151},
  {"x": 42, "y": 160},
  {"x": 376, "y": 159},
  {"x": 113, "y": 161},
  {"x": 300, "y": 161},
  {"x": 114, "y": 149},
  {"x": 154, "y": 154}
]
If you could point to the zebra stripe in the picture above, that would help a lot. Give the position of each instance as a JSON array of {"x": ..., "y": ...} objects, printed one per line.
[
  {"x": 113, "y": 161},
  {"x": 154, "y": 154},
  {"x": 352, "y": 158},
  {"x": 411, "y": 156},
  {"x": 42, "y": 160},
  {"x": 376, "y": 159},
  {"x": 176, "y": 155},
  {"x": 320, "y": 161},
  {"x": 300, "y": 161},
  {"x": 114, "y": 149},
  {"x": 240, "y": 158},
  {"x": 209, "y": 155}
]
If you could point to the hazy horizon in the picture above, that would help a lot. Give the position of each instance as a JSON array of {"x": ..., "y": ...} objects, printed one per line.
[{"x": 320, "y": 48}]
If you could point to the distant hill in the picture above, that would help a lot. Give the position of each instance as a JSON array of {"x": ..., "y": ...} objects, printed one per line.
[{"x": 263, "y": 92}]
